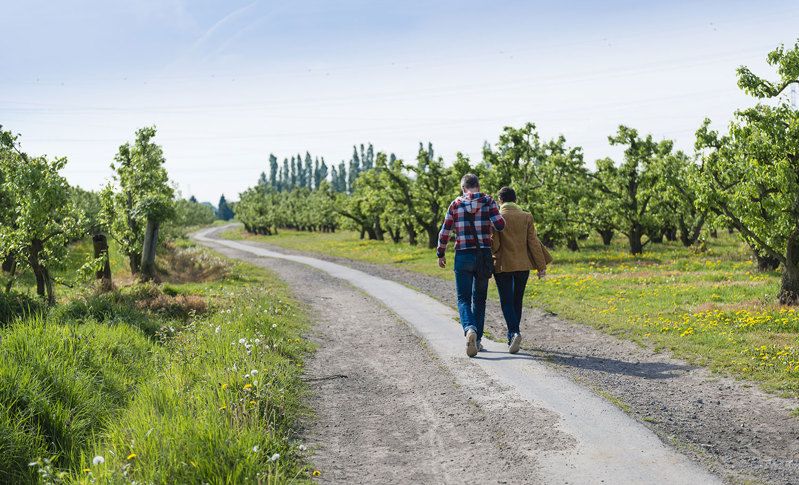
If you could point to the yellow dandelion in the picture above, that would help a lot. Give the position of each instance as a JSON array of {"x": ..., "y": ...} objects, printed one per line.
[
  {"x": 224, "y": 386},
  {"x": 247, "y": 386},
  {"x": 316, "y": 473},
  {"x": 87, "y": 470},
  {"x": 132, "y": 456}
]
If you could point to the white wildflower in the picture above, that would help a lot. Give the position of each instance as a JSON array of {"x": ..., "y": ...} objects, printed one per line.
[
  {"x": 302, "y": 448},
  {"x": 254, "y": 372},
  {"x": 255, "y": 449},
  {"x": 98, "y": 460},
  {"x": 274, "y": 457}
]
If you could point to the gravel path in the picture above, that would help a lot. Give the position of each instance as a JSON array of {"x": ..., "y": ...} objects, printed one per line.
[
  {"x": 416, "y": 410},
  {"x": 734, "y": 429}
]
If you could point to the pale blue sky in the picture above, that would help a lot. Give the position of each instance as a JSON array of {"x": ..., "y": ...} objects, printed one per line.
[{"x": 229, "y": 82}]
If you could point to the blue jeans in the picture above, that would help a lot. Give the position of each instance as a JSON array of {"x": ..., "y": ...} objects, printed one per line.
[
  {"x": 471, "y": 290},
  {"x": 511, "y": 293}
]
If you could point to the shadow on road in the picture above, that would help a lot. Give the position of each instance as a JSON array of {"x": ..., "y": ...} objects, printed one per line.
[{"x": 645, "y": 370}]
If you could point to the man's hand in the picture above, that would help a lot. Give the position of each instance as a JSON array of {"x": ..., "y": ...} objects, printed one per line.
[
  {"x": 442, "y": 262},
  {"x": 541, "y": 273}
]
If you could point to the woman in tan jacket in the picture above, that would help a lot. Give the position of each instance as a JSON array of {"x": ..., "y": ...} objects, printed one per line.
[{"x": 516, "y": 250}]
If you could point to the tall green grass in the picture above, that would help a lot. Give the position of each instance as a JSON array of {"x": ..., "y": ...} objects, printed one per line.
[
  {"x": 61, "y": 384},
  {"x": 136, "y": 385}
]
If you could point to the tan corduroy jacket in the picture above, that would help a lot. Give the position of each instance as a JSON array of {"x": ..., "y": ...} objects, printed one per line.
[{"x": 517, "y": 247}]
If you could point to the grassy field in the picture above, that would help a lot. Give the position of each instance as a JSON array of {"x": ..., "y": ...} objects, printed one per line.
[
  {"x": 710, "y": 308},
  {"x": 194, "y": 381}
]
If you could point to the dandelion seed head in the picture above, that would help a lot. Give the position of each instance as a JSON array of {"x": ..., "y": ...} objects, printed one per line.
[
  {"x": 274, "y": 457},
  {"x": 98, "y": 460}
]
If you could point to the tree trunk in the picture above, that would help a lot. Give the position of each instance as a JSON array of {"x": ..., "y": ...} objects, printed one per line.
[
  {"x": 100, "y": 242},
  {"x": 607, "y": 236},
  {"x": 789, "y": 289},
  {"x": 379, "y": 230},
  {"x": 432, "y": 237},
  {"x": 134, "y": 259},
  {"x": 8, "y": 263},
  {"x": 571, "y": 243},
  {"x": 44, "y": 287},
  {"x": 411, "y": 234},
  {"x": 636, "y": 233},
  {"x": 148, "y": 251},
  {"x": 48, "y": 284},
  {"x": 766, "y": 263},
  {"x": 363, "y": 232},
  {"x": 547, "y": 240},
  {"x": 12, "y": 271},
  {"x": 656, "y": 235},
  {"x": 671, "y": 233}
]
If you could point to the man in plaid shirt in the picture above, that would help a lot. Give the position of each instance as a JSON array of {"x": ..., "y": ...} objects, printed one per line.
[{"x": 471, "y": 216}]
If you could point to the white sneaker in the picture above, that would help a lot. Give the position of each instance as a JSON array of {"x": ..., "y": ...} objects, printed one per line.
[
  {"x": 515, "y": 343},
  {"x": 471, "y": 343},
  {"x": 480, "y": 347}
]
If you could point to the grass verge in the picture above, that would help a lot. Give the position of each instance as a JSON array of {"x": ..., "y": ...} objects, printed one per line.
[{"x": 148, "y": 385}]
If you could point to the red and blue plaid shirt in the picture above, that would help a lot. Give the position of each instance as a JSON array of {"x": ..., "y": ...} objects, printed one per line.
[{"x": 485, "y": 212}]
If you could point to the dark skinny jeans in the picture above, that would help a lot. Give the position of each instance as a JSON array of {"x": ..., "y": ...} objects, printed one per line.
[{"x": 511, "y": 287}]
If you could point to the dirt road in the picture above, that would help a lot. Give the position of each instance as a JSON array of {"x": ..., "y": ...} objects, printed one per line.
[{"x": 413, "y": 409}]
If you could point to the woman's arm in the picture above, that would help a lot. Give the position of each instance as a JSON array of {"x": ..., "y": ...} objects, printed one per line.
[{"x": 534, "y": 247}]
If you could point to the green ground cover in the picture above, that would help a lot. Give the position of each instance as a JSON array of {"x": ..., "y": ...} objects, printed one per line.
[
  {"x": 190, "y": 382},
  {"x": 711, "y": 308}
]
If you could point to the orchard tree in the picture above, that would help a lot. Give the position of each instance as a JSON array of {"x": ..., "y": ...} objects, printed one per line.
[
  {"x": 679, "y": 185},
  {"x": 553, "y": 189},
  {"x": 143, "y": 201},
  {"x": 397, "y": 183},
  {"x": 8, "y": 150},
  {"x": 45, "y": 218},
  {"x": 751, "y": 174},
  {"x": 632, "y": 186},
  {"x": 431, "y": 190}
]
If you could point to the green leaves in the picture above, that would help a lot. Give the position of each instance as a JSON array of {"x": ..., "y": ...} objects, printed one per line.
[
  {"x": 140, "y": 191},
  {"x": 787, "y": 64},
  {"x": 39, "y": 214}
]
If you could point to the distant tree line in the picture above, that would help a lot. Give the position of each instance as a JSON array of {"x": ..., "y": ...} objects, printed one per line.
[{"x": 746, "y": 180}]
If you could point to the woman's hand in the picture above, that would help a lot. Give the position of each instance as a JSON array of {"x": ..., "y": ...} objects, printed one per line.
[
  {"x": 442, "y": 262},
  {"x": 541, "y": 273}
]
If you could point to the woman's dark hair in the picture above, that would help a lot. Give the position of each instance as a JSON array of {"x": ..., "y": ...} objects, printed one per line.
[
  {"x": 506, "y": 194},
  {"x": 470, "y": 181}
]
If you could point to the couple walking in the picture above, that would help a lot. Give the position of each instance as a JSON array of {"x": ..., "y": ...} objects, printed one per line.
[{"x": 508, "y": 255}]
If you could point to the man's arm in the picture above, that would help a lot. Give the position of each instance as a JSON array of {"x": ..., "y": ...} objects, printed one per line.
[
  {"x": 495, "y": 217},
  {"x": 444, "y": 234}
]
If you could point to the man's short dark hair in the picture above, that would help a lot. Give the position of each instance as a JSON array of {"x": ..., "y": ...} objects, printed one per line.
[
  {"x": 470, "y": 181},
  {"x": 506, "y": 194}
]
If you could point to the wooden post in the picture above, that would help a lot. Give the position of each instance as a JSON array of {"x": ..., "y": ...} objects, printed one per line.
[
  {"x": 148, "y": 252},
  {"x": 100, "y": 242}
]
